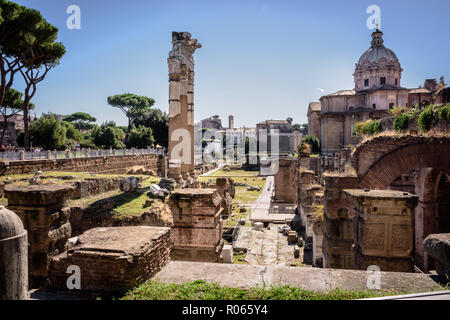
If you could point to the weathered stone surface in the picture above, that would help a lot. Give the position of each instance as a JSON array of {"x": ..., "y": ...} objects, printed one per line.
[
  {"x": 314, "y": 279},
  {"x": 383, "y": 229},
  {"x": 338, "y": 221},
  {"x": 107, "y": 164},
  {"x": 438, "y": 247},
  {"x": 41, "y": 210},
  {"x": 197, "y": 229},
  {"x": 285, "y": 181},
  {"x": 113, "y": 259},
  {"x": 13, "y": 257}
]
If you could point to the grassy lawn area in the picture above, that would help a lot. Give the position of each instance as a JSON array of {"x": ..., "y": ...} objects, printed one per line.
[
  {"x": 123, "y": 204},
  {"x": 200, "y": 290}
]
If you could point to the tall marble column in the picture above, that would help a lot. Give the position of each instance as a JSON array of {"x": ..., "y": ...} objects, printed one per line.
[{"x": 181, "y": 105}]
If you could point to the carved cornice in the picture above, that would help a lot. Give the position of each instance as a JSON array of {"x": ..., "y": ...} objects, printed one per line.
[{"x": 184, "y": 47}]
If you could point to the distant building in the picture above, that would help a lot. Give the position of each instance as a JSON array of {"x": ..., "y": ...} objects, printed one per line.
[
  {"x": 283, "y": 130},
  {"x": 377, "y": 89},
  {"x": 213, "y": 122}
]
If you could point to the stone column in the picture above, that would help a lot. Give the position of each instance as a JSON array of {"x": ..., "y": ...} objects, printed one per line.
[
  {"x": 197, "y": 229},
  {"x": 40, "y": 207},
  {"x": 181, "y": 105}
]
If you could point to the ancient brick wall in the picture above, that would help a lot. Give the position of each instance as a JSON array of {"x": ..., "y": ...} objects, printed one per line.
[
  {"x": 41, "y": 209},
  {"x": 338, "y": 234},
  {"x": 101, "y": 164},
  {"x": 285, "y": 181},
  {"x": 113, "y": 259},
  {"x": 198, "y": 225}
]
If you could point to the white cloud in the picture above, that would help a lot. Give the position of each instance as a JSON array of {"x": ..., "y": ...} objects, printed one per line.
[{"x": 321, "y": 90}]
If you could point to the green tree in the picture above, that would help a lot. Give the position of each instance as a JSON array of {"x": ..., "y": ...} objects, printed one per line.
[
  {"x": 12, "y": 105},
  {"x": 81, "y": 120},
  {"x": 108, "y": 135},
  {"x": 48, "y": 133},
  {"x": 28, "y": 45},
  {"x": 159, "y": 122},
  {"x": 313, "y": 141},
  {"x": 131, "y": 105},
  {"x": 140, "y": 137},
  {"x": 302, "y": 128}
]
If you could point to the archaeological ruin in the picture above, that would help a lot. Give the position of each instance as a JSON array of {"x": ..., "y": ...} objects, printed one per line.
[{"x": 102, "y": 225}]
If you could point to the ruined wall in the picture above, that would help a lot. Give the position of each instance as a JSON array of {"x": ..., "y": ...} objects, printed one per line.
[
  {"x": 383, "y": 229},
  {"x": 102, "y": 164},
  {"x": 41, "y": 209},
  {"x": 198, "y": 226},
  {"x": 285, "y": 181},
  {"x": 338, "y": 235}
]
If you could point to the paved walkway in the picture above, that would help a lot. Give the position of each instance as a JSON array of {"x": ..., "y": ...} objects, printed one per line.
[
  {"x": 266, "y": 247},
  {"x": 221, "y": 165},
  {"x": 260, "y": 210}
]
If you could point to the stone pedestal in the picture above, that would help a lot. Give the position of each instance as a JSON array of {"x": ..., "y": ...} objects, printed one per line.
[
  {"x": 383, "y": 229},
  {"x": 197, "y": 230},
  {"x": 113, "y": 259},
  {"x": 40, "y": 207}
]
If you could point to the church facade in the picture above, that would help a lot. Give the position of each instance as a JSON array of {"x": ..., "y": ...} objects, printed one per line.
[{"x": 377, "y": 89}]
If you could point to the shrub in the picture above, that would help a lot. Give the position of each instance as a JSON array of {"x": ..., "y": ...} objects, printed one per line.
[
  {"x": 425, "y": 118},
  {"x": 313, "y": 141},
  {"x": 444, "y": 113},
  {"x": 401, "y": 122},
  {"x": 369, "y": 127}
]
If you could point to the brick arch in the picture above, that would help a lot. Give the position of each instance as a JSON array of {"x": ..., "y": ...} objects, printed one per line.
[{"x": 380, "y": 161}]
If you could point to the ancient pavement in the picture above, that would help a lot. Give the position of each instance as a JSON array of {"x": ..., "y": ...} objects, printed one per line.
[
  {"x": 260, "y": 210},
  {"x": 266, "y": 247}
]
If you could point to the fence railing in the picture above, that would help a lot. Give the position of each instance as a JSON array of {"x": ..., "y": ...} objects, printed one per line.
[{"x": 39, "y": 155}]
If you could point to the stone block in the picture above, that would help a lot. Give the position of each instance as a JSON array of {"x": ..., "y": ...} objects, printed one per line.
[
  {"x": 438, "y": 247},
  {"x": 113, "y": 259},
  {"x": 292, "y": 236},
  {"x": 227, "y": 254}
]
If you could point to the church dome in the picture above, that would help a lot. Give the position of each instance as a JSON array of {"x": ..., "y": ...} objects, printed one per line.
[
  {"x": 375, "y": 54},
  {"x": 378, "y": 67},
  {"x": 377, "y": 51}
]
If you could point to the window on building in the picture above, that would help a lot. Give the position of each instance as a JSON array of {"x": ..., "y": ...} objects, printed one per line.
[
  {"x": 396, "y": 82},
  {"x": 391, "y": 105},
  {"x": 382, "y": 80},
  {"x": 366, "y": 82},
  {"x": 374, "y": 106}
]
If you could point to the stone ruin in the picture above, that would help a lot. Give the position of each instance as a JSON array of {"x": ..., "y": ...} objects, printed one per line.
[
  {"x": 181, "y": 108},
  {"x": 197, "y": 229},
  {"x": 42, "y": 211},
  {"x": 113, "y": 259}
]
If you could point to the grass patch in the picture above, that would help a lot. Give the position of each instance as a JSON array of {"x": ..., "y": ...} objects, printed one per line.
[{"x": 200, "y": 290}]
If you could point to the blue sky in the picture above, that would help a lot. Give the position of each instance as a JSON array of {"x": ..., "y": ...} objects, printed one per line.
[{"x": 261, "y": 59}]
